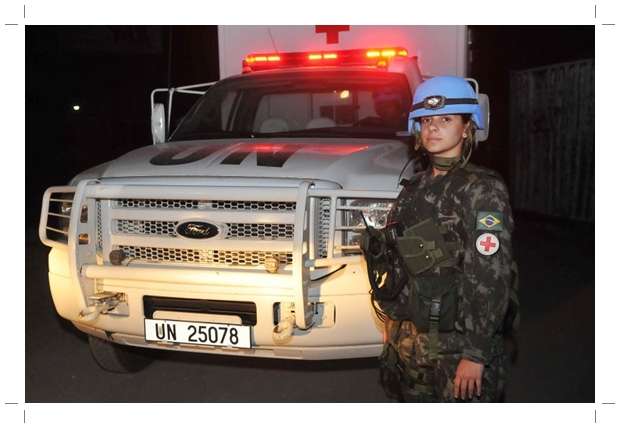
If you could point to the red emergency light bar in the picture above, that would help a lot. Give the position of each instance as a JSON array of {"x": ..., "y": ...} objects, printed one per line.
[
  {"x": 386, "y": 53},
  {"x": 319, "y": 56},
  {"x": 371, "y": 57}
]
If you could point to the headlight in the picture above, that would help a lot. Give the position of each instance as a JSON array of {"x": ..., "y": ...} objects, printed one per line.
[
  {"x": 65, "y": 208},
  {"x": 374, "y": 211}
]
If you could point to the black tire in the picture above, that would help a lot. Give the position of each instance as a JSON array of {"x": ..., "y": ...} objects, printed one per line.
[{"x": 117, "y": 358}]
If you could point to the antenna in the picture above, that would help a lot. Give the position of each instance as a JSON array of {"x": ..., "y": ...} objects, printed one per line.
[{"x": 272, "y": 41}]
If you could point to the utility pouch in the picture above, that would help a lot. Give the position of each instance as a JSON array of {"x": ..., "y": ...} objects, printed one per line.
[
  {"x": 433, "y": 303},
  {"x": 422, "y": 246}
]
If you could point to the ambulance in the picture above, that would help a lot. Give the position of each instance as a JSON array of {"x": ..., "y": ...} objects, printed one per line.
[{"x": 237, "y": 232}]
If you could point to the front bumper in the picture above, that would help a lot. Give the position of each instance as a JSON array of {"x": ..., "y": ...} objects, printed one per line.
[{"x": 354, "y": 333}]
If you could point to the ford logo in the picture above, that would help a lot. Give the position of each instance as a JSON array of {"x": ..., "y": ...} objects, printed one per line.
[{"x": 197, "y": 230}]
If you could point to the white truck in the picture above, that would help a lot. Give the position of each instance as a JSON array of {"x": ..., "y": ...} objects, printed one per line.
[{"x": 237, "y": 233}]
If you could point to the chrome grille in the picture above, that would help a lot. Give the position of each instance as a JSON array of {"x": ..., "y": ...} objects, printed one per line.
[
  {"x": 323, "y": 230},
  {"x": 99, "y": 226},
  {"x": 147, "y": 227},
  {"x": 202, "y": 256},
  {"x": 260, "y": 231},
  {"x": 265, "y": 231},
  {"x": 254, "y": 205},
  {"x": 198, "y": 204},
  {"x": 158, "y": 203}
]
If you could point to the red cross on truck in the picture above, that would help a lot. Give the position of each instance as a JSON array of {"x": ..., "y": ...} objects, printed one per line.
[{"x": 332, "y": 32}]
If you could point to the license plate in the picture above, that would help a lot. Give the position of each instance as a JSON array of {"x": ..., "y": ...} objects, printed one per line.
[{"x": 197, "y": 333}]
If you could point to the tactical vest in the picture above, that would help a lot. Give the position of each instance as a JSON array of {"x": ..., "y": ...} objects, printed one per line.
[{"x": 432, "y": 300}]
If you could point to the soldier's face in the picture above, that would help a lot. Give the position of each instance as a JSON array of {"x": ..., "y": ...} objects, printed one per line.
[{"x": 443, "y": 135}]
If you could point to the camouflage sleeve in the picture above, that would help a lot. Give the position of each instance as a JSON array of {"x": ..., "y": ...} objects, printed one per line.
[{"x": 487, "y": 266}]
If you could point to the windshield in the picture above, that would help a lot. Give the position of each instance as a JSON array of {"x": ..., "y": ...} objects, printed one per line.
[{"x": 363, "y": 104}]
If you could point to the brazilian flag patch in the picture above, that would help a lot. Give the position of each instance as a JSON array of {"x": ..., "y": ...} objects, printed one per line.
[{"x": 489, "y": 220}]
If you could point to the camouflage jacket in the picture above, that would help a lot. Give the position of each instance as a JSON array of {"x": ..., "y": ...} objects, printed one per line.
[{"x": 473, "y": 206}]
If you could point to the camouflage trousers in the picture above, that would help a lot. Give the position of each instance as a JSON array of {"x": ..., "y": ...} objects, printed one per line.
[{"x": 408, "y": 374}]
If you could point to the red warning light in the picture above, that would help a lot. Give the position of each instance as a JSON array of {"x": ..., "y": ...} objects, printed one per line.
[
  {"x": 319, "y": 56},
  {"x": 376, "y": 57},
  {"x": 386, "y": 53},
  {"x": 261, "y": 58}
]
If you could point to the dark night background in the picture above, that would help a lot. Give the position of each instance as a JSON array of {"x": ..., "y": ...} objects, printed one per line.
[{"x": 110, "y": 70}]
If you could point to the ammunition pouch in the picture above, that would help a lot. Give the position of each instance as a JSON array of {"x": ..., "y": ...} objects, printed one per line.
[{"x": 423, "y": 247}]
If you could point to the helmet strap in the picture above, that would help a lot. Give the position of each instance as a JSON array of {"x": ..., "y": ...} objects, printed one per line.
[{"x": 467, "y": 151}]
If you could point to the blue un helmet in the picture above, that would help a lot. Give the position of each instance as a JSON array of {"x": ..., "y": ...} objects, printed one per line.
[{"x": 444, "y": 95}]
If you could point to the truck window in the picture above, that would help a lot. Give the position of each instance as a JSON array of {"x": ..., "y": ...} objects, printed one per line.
[
  {"x": 344, "y": 104},
  {"x": 227, "y": 104}
]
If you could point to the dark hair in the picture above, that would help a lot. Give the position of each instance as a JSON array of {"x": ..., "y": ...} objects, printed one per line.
[{"x": 466, "y": 117}]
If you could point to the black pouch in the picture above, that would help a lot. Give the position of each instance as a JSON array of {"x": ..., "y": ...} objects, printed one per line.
[{"x": 435, "y": 297}]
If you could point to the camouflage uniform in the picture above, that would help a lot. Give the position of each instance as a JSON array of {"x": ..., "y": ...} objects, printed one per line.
[{"x": 466, "y": 203}]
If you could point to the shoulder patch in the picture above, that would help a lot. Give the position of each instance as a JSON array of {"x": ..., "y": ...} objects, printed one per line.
[
  {"x": 489, "y": 220},
  {"x": 487, "y": 244}
]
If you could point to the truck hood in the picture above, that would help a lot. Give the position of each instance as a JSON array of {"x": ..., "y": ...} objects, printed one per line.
[{"x": 352, "y": 163}]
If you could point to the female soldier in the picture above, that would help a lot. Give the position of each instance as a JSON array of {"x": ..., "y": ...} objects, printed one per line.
[{"x": 450, "y": 232}]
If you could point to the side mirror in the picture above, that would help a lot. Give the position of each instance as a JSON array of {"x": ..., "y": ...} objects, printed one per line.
[
  {"x": 483, "y": 134},
  {"x": 158, "y": 123}
]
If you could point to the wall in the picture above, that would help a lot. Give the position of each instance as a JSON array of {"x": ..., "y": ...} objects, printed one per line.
[{"x": 552, "y": 140}]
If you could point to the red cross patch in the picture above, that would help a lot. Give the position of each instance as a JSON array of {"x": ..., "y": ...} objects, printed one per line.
[{"x": 487, "y": 244}]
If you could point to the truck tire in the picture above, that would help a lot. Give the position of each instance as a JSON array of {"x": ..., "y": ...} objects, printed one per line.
[{"x": 117, "y": 358}]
